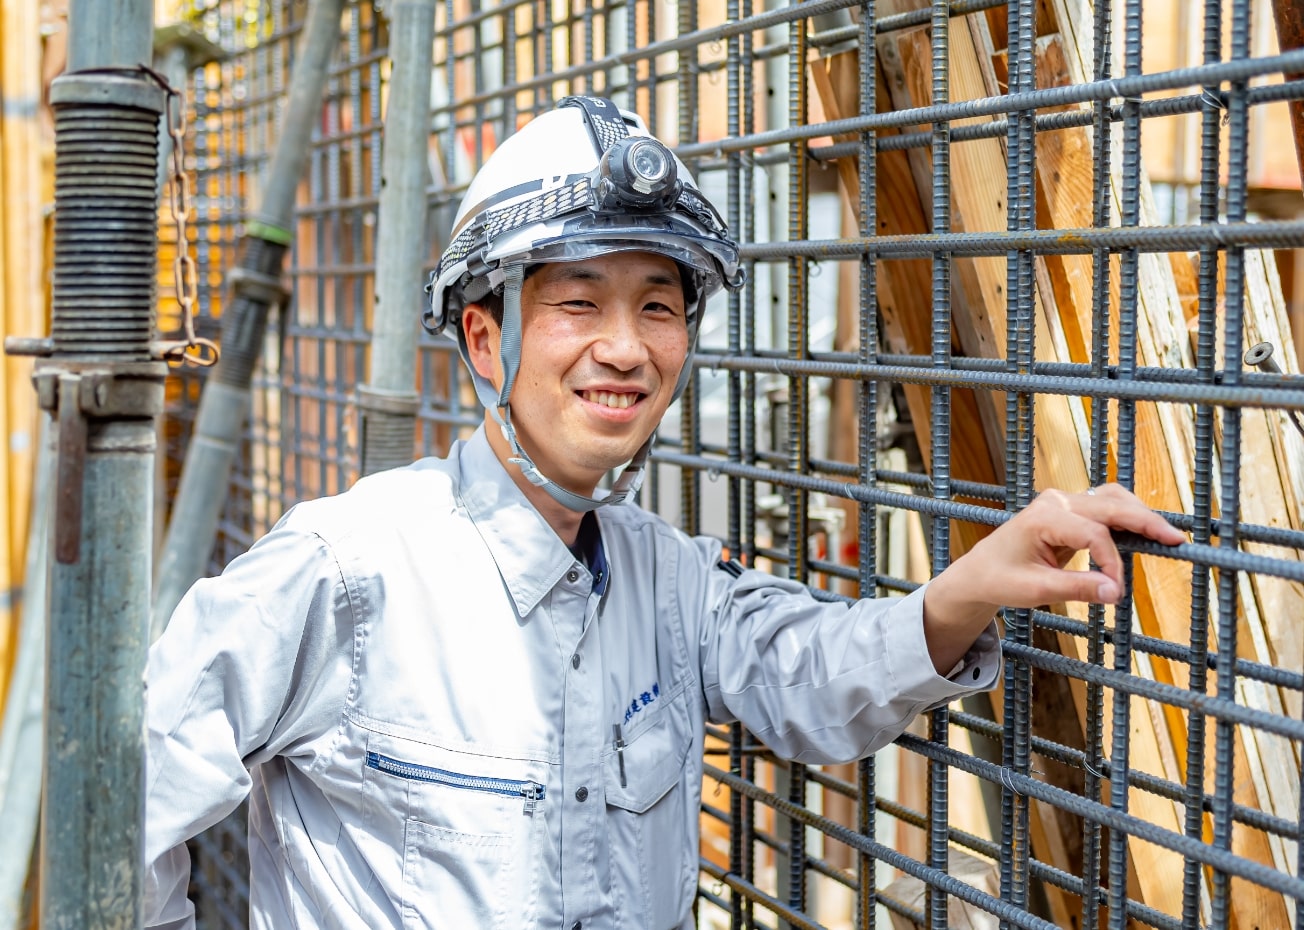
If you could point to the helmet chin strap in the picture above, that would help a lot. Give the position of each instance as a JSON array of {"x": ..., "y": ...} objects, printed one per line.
[{"x": 631, "y": 478}]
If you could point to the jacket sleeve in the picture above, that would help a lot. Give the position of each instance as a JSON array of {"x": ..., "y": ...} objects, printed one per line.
[
  {"x": 240, "y": 675},
  {"x": 824, "y": 682}
]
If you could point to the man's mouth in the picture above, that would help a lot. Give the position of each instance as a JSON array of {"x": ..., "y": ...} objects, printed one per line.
[{"x": 620, "y": 401}]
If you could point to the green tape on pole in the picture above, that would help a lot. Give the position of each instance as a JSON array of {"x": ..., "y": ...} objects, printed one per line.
[{"x": 261, "y": 230}]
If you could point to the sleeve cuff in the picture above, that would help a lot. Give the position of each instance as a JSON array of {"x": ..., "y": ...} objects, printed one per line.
[{"x": 912, "y": 668}]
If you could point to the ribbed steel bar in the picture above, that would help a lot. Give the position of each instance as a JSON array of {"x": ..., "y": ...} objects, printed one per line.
[
  {"x": 1106, "y": 372},
  {"x": 1117, "y": 821},
  {"x": 690, "y": 490},
  {"x": 1053, "y": 122},
  {"x": 888, "y": 855},
  {"x": 747, "y": 230},
  {"x": 867, "y": 439},
  {"x": 940, "y": 432},
  {"x": 1213, "y": 556},
  {"x": 1019, "y": 201},
  {"x": 1202, "y": 489},
  {"x": 1178, "y": 652},
  {"x": 798, "y": 407},
  {"x": 1225, "y": 736},
  {"x": 1128, "y": 87},
  {"x": 1290, "y": 62},
  {"x": 958, "y": 375},
  {"x": 989, "y": 849},
  {"x": 739, "y": 843},
  {"x": 1278, "y": 233},
  {"x": 1142, "y": 781}
]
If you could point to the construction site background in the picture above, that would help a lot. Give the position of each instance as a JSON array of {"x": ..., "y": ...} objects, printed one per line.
[{"x": 847, "y": 425}]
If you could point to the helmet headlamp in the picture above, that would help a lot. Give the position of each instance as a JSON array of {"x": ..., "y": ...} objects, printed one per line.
[{"x": 636, "y": 173}]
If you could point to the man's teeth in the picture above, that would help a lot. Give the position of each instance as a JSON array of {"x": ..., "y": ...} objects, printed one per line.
[{"x": 608, "y": 399}]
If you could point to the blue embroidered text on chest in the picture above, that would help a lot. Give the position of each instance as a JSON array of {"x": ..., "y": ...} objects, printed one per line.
[{"x": 643, "y": 700}]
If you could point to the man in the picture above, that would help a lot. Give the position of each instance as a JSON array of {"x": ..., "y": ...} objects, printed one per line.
[{"x": 471, "y": 693}]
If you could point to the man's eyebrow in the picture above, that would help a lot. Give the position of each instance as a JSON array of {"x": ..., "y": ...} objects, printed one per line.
[{"x": 564, "y": 273}]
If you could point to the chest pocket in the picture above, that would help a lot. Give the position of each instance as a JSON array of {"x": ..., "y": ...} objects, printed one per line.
[
  {"x": 649, "y": 816},
  {"x": 470, "y": 829}
]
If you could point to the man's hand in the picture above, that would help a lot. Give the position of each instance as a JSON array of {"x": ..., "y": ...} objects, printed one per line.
[{"x": 1021, "y": 564}]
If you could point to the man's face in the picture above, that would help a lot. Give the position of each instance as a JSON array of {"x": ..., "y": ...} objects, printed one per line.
[{"x": 602, "y": 344}]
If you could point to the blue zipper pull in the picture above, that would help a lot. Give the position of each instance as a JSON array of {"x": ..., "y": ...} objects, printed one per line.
[{"x": 533, "y": 794}]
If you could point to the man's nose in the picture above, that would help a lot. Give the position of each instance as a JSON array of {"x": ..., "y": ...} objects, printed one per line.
[{"x": 621, "y": 343}]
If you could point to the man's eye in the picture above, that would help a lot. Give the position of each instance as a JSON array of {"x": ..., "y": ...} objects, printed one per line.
[{"x": 660, "y": 308}]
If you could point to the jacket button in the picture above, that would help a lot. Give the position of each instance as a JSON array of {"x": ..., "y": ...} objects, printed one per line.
[
  {"x": 577, "y": 926},
  {"x": 572, "y": 576},
  {"x": 581, "y": 794},
  {"x": 575, "y": 660}
]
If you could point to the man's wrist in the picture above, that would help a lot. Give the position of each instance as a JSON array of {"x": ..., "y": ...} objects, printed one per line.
[{"x": 953, "y": 617}]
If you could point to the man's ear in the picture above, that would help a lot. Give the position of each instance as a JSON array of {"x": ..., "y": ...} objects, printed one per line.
[{"x": 482, "y": 342}]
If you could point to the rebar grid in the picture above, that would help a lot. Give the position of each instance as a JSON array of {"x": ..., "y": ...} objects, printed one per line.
[{"x": 828, "y": 435}]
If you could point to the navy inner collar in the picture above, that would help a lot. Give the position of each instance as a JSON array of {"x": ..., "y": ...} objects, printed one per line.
[{"x": 588, "y": 549}]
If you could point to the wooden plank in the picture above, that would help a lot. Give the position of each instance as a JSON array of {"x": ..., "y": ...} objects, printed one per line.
[
  {"x": 1164, "y": 447},
  {"x": 25, "y": 154},
  {"x": 904, "y": 287},
  {"x": 978, "y": 204}
]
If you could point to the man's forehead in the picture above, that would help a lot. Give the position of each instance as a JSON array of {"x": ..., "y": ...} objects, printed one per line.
[{"x": 647, "y": 266}]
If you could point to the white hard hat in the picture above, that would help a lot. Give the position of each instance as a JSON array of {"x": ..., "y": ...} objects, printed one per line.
[{"x": 582, "y": 180}]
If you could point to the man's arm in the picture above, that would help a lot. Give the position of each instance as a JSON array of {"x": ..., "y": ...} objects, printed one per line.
[
  {"x": 232, "y": 682},
  {"x": 1021, "y": 564}
]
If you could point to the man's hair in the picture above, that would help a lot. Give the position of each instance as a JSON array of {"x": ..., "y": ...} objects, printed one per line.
[{"x": 493, "y": 302}]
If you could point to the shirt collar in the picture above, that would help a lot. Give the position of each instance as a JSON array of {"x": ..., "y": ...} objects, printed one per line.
[{"x": 529, "y": 554}]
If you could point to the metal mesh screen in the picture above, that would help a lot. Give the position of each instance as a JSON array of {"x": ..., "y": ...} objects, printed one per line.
[{"x": 963, "y": 288}]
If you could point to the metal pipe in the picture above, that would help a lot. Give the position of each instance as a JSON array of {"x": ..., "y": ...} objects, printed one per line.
[
  {"x": 105, "y": 388},
  {"x": 20, "y": 732},
  {"x": 256, "y": 287},
  {"x": 109, "y": 34},
  {"x": 388, "y": 403}
]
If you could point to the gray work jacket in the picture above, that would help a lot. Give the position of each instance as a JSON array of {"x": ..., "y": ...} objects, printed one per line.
[{"x": 418, "y": 686}]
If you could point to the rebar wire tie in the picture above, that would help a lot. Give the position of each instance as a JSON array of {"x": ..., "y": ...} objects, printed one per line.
[
  {"x": 1217, "y": 102},
  {"x": 193, "y": 350},
  {"x": 1008, "y": 782}
]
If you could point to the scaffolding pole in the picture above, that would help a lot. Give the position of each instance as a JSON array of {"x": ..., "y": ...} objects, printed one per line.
[
  {"x": 256, "y": 287},
  {"x": 100, "y": 378},
  {"x": 388, "y": 403}
]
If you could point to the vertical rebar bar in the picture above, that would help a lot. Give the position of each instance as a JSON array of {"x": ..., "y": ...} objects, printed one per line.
[
  {"x": 868, "y": 440},
  {"x": 747, "y": 233},
  {"x": 1225, "y": 735},
  {"x": 798, "y": 426},
  {"x": 1098, "y": 466},
  {"x": 1202, "y": 486},
  {"x": 940, "y": 412},
  {"x": 690, "y": 480},
  {"x": 1020, "y": 329},
  {"x": 1128, "y": 311}
]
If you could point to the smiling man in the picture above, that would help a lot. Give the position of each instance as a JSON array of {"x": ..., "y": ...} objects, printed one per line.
[{"x": 472, "y": 692}]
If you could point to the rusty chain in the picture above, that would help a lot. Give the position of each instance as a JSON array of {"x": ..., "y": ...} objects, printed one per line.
[{"x": 193, "y": 349}]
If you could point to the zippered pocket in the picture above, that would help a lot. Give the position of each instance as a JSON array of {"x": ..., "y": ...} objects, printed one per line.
[{"x": 531, "y": 792}]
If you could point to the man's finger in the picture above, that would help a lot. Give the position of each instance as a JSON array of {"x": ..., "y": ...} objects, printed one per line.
[
  {"x": 1122, "y": 510},
  {"x": 1061, "y": 584},
  {"x": 1077, "y": 531}
]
